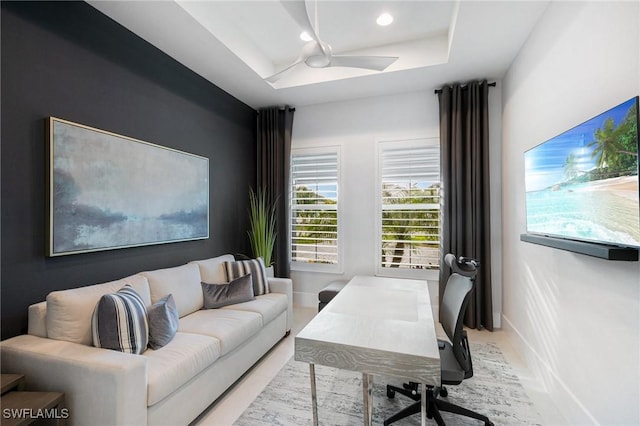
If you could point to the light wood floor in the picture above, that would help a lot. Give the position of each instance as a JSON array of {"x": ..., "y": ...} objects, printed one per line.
[{"x": 233, "y": 403}]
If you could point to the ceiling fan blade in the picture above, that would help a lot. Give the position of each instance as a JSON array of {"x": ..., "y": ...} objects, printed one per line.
[
  {"x": 277, "y": 76},
  {"x": 377, "y": 63},
  {"x": 297, "y": 9}
]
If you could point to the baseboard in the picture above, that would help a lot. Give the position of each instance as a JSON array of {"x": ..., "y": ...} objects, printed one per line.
[
  {"x": 497, "y": 320},
  {"x": 307, "y": 300},
  {"x": 573, "y": 410}
]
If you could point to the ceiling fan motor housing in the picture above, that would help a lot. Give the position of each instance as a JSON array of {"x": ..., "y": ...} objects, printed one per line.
[{"x": 318, "y": 54}]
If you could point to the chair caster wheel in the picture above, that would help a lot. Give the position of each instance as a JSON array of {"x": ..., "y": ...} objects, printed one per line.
[
  {"x": 391, "y": 393},
  {"x": 444, "y": 392}
]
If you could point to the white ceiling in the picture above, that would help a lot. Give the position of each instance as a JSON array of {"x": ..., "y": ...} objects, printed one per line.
[{"x": 236, "y": 44}]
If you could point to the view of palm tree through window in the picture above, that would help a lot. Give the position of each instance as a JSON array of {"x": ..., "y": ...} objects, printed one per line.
[{"x": 410, "y": 195}]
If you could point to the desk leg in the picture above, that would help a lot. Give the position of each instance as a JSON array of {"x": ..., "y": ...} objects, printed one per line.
[
  {"x": 367, "y": 393},
  {"x": 423, "y": 404},
  {"x": 314, "y": 398}
]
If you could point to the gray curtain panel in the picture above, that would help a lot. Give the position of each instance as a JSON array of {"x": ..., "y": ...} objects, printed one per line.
[
  {"x": 464, "y": 152},
  {"x": 274, "y": 148}
]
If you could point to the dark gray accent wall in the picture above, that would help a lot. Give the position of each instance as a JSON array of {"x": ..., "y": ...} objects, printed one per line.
[{"x": 66, "y": 59}]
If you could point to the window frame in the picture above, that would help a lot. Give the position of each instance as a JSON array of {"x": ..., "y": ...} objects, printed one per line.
[
  {"x": 429, "y": 274},
  {"x": 336, "y": 268}
]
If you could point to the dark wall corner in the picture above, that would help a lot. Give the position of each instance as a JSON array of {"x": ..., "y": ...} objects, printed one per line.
[{"x": 66, "y": 59}]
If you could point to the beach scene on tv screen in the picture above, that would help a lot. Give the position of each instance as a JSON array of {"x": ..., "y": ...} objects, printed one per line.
[{"x": 583, "y": 184}]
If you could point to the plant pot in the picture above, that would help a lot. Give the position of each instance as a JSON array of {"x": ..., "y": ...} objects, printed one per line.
[{"x": 269, "y": 270}]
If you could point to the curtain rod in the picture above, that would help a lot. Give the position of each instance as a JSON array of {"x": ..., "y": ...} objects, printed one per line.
[
  {"x": 292, "y": 109},
  {"x": 488, "y": 84}
]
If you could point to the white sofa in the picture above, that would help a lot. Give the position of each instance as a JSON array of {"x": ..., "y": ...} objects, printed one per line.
[{"x": 171, "y": 385}]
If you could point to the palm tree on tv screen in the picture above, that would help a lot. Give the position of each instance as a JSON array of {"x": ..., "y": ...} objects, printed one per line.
[
  {"x": 571, "y": 168},
  {"x": 615, "y": 147}
]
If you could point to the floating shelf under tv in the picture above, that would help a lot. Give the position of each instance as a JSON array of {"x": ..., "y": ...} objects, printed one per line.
[{"x": 602, "y": 251}]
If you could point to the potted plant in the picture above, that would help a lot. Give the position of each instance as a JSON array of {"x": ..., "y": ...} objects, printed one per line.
[{"x": 262, "y": 231}]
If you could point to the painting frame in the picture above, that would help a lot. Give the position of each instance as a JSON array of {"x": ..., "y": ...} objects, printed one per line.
[{"x": 107, "y": 191}]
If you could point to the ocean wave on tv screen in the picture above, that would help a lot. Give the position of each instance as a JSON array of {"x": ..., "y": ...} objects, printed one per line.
[{"x": 587, "y": 215}]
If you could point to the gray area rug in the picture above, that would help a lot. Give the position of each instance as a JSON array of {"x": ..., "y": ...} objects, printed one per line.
[{"x": 494, "y": 390}]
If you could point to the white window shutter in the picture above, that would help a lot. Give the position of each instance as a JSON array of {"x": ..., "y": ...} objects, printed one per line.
[
  {"x": 410, "y": 206},
  {"x": 314, "y": 208}
]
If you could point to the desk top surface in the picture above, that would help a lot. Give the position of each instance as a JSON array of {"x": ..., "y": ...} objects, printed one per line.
[{"x": 386, "y": 318}]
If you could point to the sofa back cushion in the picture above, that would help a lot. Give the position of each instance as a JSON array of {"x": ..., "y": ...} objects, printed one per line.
[
  {"x": 69, "y": 312},
  {"x": 212, "y": 270},
  {"x": 183, "y": 282}
]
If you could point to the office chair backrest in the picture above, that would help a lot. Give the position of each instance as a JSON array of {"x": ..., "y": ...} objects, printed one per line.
[{"x": 453, "y": 307}]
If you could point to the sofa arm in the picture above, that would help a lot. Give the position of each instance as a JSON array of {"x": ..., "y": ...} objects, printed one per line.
[
  {"x": 101, "y": 386},
  {"x": 38, "y": 319},
  {"x": 284, "y": 286}
]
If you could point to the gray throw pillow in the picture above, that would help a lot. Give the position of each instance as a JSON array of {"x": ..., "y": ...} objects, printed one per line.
[
  {"x": 219, "y": 295},
  {"x": 163, "y": 322}
]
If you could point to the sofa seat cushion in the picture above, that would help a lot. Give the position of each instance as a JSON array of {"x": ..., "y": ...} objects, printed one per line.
[
  {"x": 269, "y": 306},
  {"x": 69, "y": 312},
  {"x": 180, "y": 360},
  {"x": 231, "y": 327}
]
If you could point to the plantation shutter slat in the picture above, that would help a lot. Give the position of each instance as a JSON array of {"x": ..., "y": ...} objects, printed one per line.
[{"x": 314, "y": 208}]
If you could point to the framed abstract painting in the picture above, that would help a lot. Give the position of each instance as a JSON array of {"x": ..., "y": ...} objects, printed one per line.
[{"x": 107, "y": 191}]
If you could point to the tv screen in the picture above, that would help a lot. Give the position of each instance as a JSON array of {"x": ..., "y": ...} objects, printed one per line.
[{"x": 583, "y": 184}]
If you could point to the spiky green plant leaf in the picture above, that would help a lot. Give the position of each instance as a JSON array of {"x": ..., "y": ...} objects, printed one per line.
[{"x": 262, "y": 230}]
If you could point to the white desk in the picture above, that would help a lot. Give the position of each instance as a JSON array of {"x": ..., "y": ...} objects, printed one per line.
[{"x": 374, "y": 326}]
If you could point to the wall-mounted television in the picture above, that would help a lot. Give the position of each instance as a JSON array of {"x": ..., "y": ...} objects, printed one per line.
[{"x": 582, "y": 185}]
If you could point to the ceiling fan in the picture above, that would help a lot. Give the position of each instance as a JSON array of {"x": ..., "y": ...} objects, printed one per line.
[{"x": 317, "y": 53}]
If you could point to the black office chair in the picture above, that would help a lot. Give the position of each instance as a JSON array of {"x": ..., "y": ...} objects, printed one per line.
[{"x": 455, "y": 357}]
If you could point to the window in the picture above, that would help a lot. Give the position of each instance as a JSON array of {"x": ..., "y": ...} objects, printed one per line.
[
  {"x": 314, "y": 209},
  {"x": 409, "y": 196}
]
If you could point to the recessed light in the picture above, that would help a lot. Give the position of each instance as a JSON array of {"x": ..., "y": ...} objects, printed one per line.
[
  {"x": 384, "y": 19},
  {"x": 305, "y": 37}
]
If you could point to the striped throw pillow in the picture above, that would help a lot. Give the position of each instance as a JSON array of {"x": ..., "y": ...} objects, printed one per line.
[
  {"x": 255, "y": 267},
  {"x": 120, "y": 322}
]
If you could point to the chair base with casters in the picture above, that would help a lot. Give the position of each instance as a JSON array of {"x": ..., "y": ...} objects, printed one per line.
[
  {"x": 434, "y": 405},
  {"x": 411, "y": 390}
]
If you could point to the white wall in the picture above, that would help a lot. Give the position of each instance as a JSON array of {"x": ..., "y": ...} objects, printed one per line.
[
  {"x": 576, "y": 318},
  {"x": 357, "y": 126}
]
